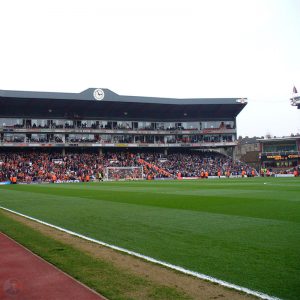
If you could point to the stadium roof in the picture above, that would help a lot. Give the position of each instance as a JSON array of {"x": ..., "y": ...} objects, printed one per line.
[
  {"x": 112, "y": 106},
  {"x": 279, "y": 139}
]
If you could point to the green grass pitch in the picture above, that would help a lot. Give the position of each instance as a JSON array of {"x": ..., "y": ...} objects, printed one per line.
[{"x": 244, "y": 231}]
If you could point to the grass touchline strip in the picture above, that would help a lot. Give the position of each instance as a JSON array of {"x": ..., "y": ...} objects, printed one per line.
[{"x": 153, "y": 260}]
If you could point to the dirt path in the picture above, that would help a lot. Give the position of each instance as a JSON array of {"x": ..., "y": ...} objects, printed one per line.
[{"x": 194, "y": 287}]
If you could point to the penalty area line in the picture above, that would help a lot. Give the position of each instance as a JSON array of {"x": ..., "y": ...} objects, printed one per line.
[{"x": 152, "y": 260}]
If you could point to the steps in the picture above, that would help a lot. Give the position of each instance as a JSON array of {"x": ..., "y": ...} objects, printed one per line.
[{"x": 154, "y": 168}]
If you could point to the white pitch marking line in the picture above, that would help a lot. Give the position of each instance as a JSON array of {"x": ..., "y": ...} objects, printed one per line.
[{"x": 153, "y": 260}]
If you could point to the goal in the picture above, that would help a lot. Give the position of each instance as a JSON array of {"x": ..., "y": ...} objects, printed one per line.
[{"x": 124, "y": 173}]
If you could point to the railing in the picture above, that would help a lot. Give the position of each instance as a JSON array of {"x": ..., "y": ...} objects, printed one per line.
[
  {"x": 117, "y": 131},
  {"x": 280, "y": 153},
  {"x": 115, "y": 144}
]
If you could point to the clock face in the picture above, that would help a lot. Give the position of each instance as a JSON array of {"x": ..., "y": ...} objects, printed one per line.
[{"x": 98, "y": 94}]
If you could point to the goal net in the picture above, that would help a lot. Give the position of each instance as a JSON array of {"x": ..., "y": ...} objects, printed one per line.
[{"x": 124, "y": 173}]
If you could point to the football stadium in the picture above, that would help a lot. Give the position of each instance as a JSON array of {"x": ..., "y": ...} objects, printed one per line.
[{"x": 143, "y": 198}]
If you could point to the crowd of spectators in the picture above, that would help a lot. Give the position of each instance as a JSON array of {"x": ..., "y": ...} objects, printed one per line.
[
  {"x": 39, "y": 166},
  {"x": 43, "y": 167},
  {"x": 193, "y": 164},
  {"x": 148, "y": 139}
]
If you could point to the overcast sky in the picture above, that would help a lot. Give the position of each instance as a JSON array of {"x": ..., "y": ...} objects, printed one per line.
[{"x": 163, "y": 48}]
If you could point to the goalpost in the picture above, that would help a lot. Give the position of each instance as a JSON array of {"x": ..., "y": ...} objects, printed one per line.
[{"x": 124, "y": 173}]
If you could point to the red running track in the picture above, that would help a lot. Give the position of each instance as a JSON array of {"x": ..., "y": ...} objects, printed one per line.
[{"x": 25, "y": 276}]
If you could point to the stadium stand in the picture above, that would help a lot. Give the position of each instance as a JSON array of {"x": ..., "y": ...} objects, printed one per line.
[
  {"x": 280, "y": 155},
  {"x": 46, "y": 136}
]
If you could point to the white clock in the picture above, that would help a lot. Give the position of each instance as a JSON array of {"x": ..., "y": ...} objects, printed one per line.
[{"x": 98, "y": 94}]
